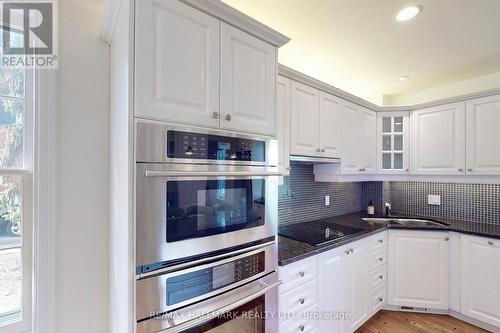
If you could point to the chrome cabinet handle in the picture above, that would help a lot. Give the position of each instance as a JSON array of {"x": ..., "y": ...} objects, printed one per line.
[
  {"x": 323, "y": 150},
  {"x": 380, "y": 299},
  {"x": 228, "y": 117},
  {"x": 380, "y": 259},
  {"x": 301, "y": 328},
  {"x": 318, "y": 150},
  {"x": 301, "y": 301},
  {"x": 447, "y": 238},
  {"x": 360, "y": 169},
  {"x": 381, "y": 277},
  {"x": 215, "y": 115},
  {"x": 347, "y": 251},
  {"x": 460, "y": 170},
  {"x": 301, "y": 274},
  {"x": 159, "y": 173},
  {"x": 469, "y": 170},
  {"x": 491, "y": 243},
  {"x": 380, "y": 241},
  {"x": 351, "y": 250}
]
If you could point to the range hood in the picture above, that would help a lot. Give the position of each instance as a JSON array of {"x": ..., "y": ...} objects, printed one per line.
[{"x": 314, "y": 160}]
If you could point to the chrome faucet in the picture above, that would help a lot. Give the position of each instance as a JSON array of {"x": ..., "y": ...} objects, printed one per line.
[{"x": 388, "y": 209}]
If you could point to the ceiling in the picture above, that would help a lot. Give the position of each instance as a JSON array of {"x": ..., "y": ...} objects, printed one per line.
[{"x": 358, "y": 46}]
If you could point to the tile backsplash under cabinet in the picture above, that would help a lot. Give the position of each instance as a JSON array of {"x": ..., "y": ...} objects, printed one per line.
[{"x": 303, "y": 199}]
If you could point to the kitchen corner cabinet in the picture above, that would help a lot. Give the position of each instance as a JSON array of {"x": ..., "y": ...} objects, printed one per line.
[
  {"x": 192, "y": 68},
  {"x": 314, "y": 122},
  {"x": 393, "y": 142},
  {"x": 483, "y": 136},
  {"x": 283, "y": 91},
  {"x": 418, "y": 269},
  {"x": 359, "y": 137},
  {"x": 480, "y": 273},
  {"x": 438, "y": 140}
]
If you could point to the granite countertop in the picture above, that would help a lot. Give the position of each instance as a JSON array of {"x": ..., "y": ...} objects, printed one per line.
[{"x": 291, "y": 250}]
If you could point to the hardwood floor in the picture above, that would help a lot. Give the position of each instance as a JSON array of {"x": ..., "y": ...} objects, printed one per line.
[{"x": 407, "y": 322}]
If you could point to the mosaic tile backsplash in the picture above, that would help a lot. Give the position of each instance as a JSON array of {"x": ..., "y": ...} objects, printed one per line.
[{"x": 302, "y": 199}]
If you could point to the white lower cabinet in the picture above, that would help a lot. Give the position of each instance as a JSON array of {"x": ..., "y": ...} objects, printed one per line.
[
  {"x": 418, "y": 269},
  {"x": 480, "y": 275}
]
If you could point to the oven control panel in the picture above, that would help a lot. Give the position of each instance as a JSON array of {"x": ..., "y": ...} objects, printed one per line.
[
  {"x": 193, "y": 284},
  {"x": 213, "y": 147}
]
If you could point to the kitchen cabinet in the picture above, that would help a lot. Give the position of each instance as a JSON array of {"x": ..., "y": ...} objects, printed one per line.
[
  {"x": 418, "y": 269},
  {"x": 283, "y": 91},
  {"x": 202, "y": 71},
  {"x": 247, "y": 82},
  {"x": 315, "y": 118},
  {"x": 393, "y": 142},
  {"x": 359, "y": 137},
  {"x": 480, "y": 273},
  {"x": 177, "y": 72},
  {"x": 483, "y": 136},
  {"x": 438, "y": 140}
]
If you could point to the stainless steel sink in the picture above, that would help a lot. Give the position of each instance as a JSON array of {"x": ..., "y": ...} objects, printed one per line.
[{"x": 407, "y": 222}]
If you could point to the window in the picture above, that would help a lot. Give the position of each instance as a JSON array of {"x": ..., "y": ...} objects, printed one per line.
[{"x": 16, "y": 213}]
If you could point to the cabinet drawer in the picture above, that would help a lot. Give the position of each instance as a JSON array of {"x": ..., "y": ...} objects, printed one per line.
[
  {"x": 378, "y": 241},
  {"x": 298, "y": 299},
  {"x": 377, "y": 277},
  {"x": 297, "y": 273},
  {"x": 301, "y": 323},
  {"x": 378, "y": 298},
  {"x": 378, "y": 258}
]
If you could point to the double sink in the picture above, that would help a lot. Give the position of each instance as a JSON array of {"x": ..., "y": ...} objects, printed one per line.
[{"x": 405, "y": 222}]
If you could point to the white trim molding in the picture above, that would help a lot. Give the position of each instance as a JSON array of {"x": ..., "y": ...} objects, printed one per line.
[
  {"x": 111, "y": 14},
  {"x": 228, "y": 14}
]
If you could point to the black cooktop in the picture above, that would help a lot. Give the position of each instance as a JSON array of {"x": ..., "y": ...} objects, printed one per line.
[{"x": 317, "y": 232}]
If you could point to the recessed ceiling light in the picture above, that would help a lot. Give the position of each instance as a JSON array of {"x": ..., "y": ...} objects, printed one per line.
[
  {"x": 408, "y": 13},
  {"x": 403, "y": 77}
]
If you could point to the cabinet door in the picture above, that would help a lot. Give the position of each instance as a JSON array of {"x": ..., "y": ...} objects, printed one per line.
[
  {"x": 418, "y": 269},
  {"x": 393, "y": 142},
  {"x": 176, "y": 63},
  {"x": 329, "y": 121},
  {"x": 483, "y": 136},
  {"x": 357, "y": 293},
  {"x": 480, "y": 273},
  {"x": 438, "y": 140},
  {"x": 283, "y": 123},
  {"x": 368, "y": 148},
  {"x": 351, "y": 139},
  {"x": 248, "y": 82},
  {"x": 332, "y": 277},
  {"x": 304, "y": 120}
]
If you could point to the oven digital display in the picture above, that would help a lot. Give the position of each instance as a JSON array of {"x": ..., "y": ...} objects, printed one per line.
[
  {"x": 214, "y": 147},
  {"x": 190, "y": 285}
]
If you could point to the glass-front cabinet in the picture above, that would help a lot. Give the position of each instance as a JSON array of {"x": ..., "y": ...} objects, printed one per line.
[{"x": 393, "y": 142}]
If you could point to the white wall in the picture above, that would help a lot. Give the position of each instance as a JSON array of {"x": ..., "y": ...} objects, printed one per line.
[
  {"x": 82, "y": 147},
  {"x": 477, "y": 84}
]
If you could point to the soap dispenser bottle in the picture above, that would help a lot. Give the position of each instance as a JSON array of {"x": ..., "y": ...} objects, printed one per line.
[{"x": 371, "y": 208}]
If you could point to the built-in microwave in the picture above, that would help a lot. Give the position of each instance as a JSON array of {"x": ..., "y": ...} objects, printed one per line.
[{"x": 201, "y": 193}]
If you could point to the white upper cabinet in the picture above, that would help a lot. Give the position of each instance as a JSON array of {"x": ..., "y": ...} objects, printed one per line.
[
  {"x": 393, "y": 142},
  {"x": 483, "y": 136},
  {"x": 368, "y": 148},
  {"x": 247, "y": 82},
  {"x": 330, "y": 109},
  {"x": 283, "y": 123},
  {"x": 480, "y": 273},
  {"x": 438, "y": 140},
  {"x": 418, "y": 269},
  {"x": 304, "y": 138},
  {"x": 176, "y": 63}
]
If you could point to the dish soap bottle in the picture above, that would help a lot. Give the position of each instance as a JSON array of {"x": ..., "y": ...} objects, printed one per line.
[{"x": 371, "y": 208}]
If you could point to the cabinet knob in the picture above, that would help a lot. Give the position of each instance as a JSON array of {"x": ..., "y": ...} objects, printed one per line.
[
  {"x": 469, "y": 170},
  {"x": 318, "y": 150},
  {"x": 301, "y": 301},
  {"x": 491, "y": 243},
  {"x": 380, "y": 299},
  {"x": 351, "y": 250},
  {"x": 380, "y": 259},
  {"x": 381, "y": 277},
  {"x": 323, "y": 150},
  {"x": 301, "y": 274},
  {"x": 215, "y": 115},
  {"x": 447, "y": 238},
  {"x": 460, "y": 170},
  {"x": 347, "y": 251},
  {"x": 360, "y": 169},
  {"x": 380, "y": 241},
  {"x": 228, "y": 117},
  {"x": 301, "y": 328}
]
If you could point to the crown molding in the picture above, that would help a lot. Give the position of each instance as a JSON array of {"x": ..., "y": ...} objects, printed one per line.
[
  {"x": 111, "y": 14},
  {"x": 228, "y": 14},
  {"x": 310, "y": 81}
]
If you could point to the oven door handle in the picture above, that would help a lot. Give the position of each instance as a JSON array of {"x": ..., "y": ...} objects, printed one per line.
[
  {"x": 213, "y": 314},
  {"x": 155, "y": 173}
]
